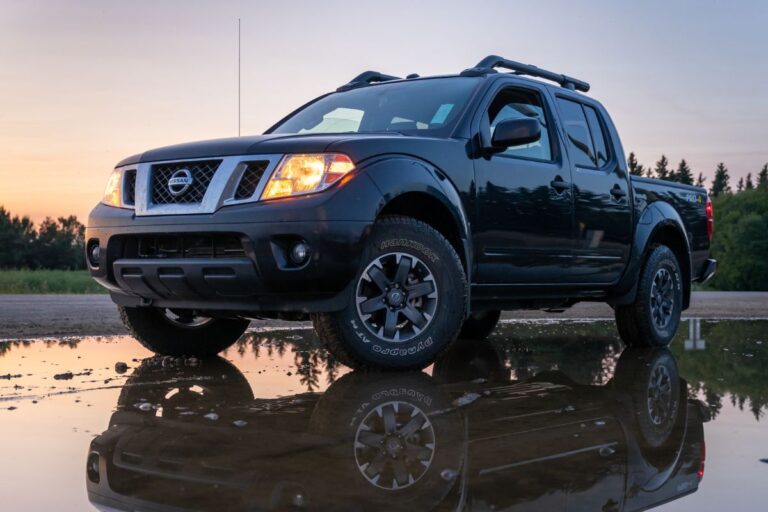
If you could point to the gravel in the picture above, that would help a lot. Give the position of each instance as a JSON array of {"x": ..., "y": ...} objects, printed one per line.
[{"x": 27, "y": 316}]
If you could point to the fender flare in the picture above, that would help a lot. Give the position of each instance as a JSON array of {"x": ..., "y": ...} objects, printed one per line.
[
  {"x": 655, "y": 217},
  {"x": 395, "y": 175}
]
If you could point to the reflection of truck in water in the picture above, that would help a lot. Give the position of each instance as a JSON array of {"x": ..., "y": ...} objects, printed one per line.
[
  {"x": 403, "y": 442},
  {"x": 399, "y": 213}
]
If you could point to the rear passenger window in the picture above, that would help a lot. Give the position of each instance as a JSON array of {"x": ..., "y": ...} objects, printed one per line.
[
  {"x": 517, "y": 104},
  {"x": 577, "y": 131},
  {"x": 598, "y": 137}
]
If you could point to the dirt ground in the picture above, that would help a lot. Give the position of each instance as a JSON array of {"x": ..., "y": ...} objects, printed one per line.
[{"x": 24, "y": 316}]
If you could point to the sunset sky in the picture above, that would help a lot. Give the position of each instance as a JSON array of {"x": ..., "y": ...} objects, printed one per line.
[{"x": 84, "y": 84}]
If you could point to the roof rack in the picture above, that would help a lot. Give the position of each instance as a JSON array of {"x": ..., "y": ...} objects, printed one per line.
[
  {"x": 488, "y": 64},
  {"x": 367, "y": 78}
]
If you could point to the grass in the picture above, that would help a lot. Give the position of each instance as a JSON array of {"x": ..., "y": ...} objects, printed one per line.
[{"x": 47, "y": 281}]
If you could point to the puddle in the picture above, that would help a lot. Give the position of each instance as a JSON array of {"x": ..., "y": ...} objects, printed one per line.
[{"x": 545, "y": 416}]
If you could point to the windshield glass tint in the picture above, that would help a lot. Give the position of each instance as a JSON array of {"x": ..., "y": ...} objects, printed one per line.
[{"x": 419, "y": 106}]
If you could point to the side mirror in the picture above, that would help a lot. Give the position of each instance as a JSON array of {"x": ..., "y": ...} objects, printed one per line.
[{"x": 516, "y": 132}]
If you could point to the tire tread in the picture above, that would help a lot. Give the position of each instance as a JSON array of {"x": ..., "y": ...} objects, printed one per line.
[
  {"x": 631, "y": 319},
  {"x": 328, "y": 325}
]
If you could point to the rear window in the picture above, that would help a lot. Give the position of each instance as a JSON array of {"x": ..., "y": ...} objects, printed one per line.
[
  {"x": 598, "y": 136},
  {"x": 586, "y": 134},
  {"x": 577, "y": 132}
]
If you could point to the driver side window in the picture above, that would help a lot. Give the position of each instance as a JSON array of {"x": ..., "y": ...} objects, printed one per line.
[{"x": 517, "y": 104}]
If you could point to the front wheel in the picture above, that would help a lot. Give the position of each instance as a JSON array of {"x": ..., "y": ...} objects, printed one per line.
[
  {"x": 653, "y": 318},
  {"x": 407, "y": 301},
  {"x": 177, "y": 333}
]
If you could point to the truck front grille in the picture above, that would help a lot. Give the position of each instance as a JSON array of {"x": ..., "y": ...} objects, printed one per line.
[
  {"x": 204, "y": 245},
  {"x": 201, "y": 171},
  {"x": 129, "y": 191},
  {"x": 251, "y": 178}
]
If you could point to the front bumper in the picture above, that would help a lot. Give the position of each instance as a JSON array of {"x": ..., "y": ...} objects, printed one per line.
[{"x": 258, "y": 280}]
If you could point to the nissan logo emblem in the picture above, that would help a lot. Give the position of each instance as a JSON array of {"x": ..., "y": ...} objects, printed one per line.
[{"x": 180, "y": 181}]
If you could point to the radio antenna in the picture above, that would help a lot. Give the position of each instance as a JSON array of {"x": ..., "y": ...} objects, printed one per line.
[{"x": 238, "y": 77}]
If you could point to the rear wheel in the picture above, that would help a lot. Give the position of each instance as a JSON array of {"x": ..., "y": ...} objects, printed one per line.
[
  {"x": 407, "y": 301},
  {"x": 653, "y": 318},
  {"x": 181, "y": 332},
  {"x": 651, "y": 377}
]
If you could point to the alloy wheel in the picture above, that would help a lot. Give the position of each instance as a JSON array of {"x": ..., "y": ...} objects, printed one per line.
[
  {"x": 659, "y": 395},
  {"x": 185, "y": 319},
  {"x": 396, "y": 297},
  {"x": 662, "y": 298},
  {"x": 394, "y": 445}
]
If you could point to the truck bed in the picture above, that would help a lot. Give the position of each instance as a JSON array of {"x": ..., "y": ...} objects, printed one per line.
[{"x": 690, "y": 203}]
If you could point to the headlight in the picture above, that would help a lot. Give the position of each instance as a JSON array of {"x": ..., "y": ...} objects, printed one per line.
[
  {"x": 304, "y": 174},
  {"x": 113, "y": 193}
]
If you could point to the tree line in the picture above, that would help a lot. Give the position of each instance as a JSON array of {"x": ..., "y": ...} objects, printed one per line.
[
  {"x": 683, "y": 174},
  {"x": 54, "y": 244}
]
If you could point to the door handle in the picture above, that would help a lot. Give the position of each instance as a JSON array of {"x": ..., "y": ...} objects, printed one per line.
[
  {"x": 559, "y": 185},
  {"x": 618, "y": 193}
]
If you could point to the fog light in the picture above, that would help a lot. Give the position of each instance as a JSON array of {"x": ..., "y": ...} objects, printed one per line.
[
  {"x": 92, "y": 467},
  {"x": 299, "y": 253},
  {"x": 94, "y": 251}
]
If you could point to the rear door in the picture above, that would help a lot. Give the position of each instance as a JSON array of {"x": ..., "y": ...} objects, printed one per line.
[{"x": 603, "y": 219}]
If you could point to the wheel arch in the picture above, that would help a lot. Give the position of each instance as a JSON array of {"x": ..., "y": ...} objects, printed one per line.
[
  {"x": 414, "y": 188},
  {"x": 659, "y": 223},
  {"x": 670, "y": 234}
]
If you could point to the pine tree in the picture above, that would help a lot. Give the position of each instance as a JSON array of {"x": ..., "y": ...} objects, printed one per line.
[
  {"x": 748, "y": 185},
  {"x": 740, "y": 185},
  {"x": 762, "y": 178},
  {"x": 684, "y": 174},
  {"x": 720, "y": 183},
  {"x": 661, "y": 169},
  {"x": 635, "y": 168},
  {"x": 700, "y": 180}
]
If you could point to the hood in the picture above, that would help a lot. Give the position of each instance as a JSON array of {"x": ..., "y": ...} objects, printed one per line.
[
  {"x": 256, "y": 144},
  {"x": 445, "y": 154}
]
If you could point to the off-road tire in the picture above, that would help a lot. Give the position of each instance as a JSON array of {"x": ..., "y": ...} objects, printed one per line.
[
  {"x": 342, "y": 410},
  {"x": 635, "y": 322},
  {"x": 150, "y": 328},
  {"x": 637, "y": 373},
  {"x": 479, "y": 325},
  {"x": 199, "y": 385},
  {"x": 352, "y": 343}
]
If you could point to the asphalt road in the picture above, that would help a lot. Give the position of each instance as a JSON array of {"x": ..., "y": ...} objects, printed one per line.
[{"x": 25, "y": 316}]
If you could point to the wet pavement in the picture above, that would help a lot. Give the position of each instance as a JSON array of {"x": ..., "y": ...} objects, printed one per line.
[{"x": 546, "y": 415}]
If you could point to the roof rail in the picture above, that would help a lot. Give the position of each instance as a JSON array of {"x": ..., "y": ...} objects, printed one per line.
[
  {"x": 488, "y": 64},
  {"x": 367, "y": 78}
]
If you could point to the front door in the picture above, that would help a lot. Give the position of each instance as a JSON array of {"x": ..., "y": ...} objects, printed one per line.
[{"x": 524, "y": 225}]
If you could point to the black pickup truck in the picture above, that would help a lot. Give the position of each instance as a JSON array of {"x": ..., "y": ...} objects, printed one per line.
[{"x": 398, "y": 214}]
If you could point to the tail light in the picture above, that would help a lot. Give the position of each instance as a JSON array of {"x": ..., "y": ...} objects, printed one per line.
[
  {"x": 710, "y": 219},
  {"x": 701, "y": 461}
]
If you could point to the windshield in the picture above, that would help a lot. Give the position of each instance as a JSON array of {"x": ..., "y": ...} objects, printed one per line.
[{"x": 426, "y": 107}]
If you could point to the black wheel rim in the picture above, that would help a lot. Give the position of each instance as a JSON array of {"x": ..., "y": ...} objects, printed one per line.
[
  {"x": 662, "y": 298},
  {"x": 185, "y": 319},
  {"x": 396, "y": 297},
  {"x": 394, "y": 445},
  {"x": 659, "y": 395}
]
